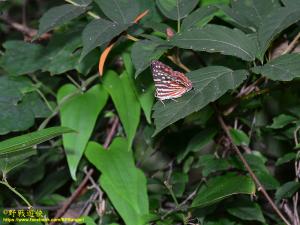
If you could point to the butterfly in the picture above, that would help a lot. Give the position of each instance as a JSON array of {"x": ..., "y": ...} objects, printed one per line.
[{"x": 169, "y": 84}]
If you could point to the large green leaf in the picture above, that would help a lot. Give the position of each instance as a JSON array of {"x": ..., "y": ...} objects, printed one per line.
[
  {"x": 176, "y": 9},
  {"x": 25, "y": 141},
  {"x": 22, "y": 58},
  {"x": 221, "y": 187},
  {"x": 99, "y": 32},
  {"x": 124, "y": 184},
  {"x": 209, "y": 84},
  {"x": 199, "y": 18},
  {"x": 283, "y": 68},
  {"x": 143, "y": 52},
  {"x": 18, "y": 104},
  {"x": 278, "y": 20},
  {"x": 59, "y": 15},
  {"x": 250, "y": 13},
  {"x": 121, "y": 11},
  {"x": 215, "y": 38},
  {"x": 79, "y": 113},
  {"x": 125, "y": 101}
]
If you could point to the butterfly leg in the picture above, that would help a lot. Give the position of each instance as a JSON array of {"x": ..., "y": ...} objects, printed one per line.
[{"x": 173, "y": 99}]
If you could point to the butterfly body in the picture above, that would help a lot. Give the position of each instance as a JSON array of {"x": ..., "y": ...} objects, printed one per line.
[{"x": 169, "y": 84}]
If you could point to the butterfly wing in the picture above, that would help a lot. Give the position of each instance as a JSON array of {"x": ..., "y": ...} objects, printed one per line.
[{"x": 169, "y": 84}]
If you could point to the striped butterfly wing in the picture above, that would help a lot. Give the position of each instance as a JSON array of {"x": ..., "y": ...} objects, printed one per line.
[{"x": 169, "y": 84}]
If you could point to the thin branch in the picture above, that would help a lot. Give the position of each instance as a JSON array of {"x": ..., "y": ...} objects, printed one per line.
[
  {"x": 74, "y": 195},
  {"x": 292, "y": 45},
  {"x": 111, "y": 132},
  {"x": 248, "y": 168}
]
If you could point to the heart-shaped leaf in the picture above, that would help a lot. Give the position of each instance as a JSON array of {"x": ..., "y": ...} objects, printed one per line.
[
  {"x": 125, "y": 101},
  {"x": 124, "y": 184},
  {"x": 79, "y": 113}
]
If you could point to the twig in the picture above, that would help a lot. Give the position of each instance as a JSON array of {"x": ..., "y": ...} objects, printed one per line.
[
  {"x": 29, "y": 32},
  {"x": 74, "y": 195},
  {"x": 292, "y": 45},
  {"x": 4, "y": 182},
  {"x": 178, "y": 63},
  {"x": 248, "y": 168},
  {"x": 111, "y": 132}
]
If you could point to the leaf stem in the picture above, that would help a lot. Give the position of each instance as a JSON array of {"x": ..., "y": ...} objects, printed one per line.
[
  {"x": 292, "y": 45},
  {"x": 248, "y": 168},
  {"x": 169, "y": 187},
  {"x": 5, "y": 183}
]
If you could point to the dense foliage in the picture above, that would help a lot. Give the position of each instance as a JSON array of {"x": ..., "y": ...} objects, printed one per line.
[{"x": 82, "y": 135}]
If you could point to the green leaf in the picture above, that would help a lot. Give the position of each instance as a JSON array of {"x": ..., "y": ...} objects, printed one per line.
[
  {"x": 209, "y": 84},
  {"x": 61, "y": 52},
  {"x": 79, "y": 113},
  {"x": 22, "y": 58},
  {"x": 18, "y": 104},
  {"x": 210, "y": 164},
  {"x": 239, "y": 137},
  {"x": 25, "y": 141},
  {"x": 286, "y": 158},
  {"x": 247, "y": 211},
  {"x": 53, "y": 181},
  {"x": 59, "y": 15},
  {"x": 250, "y": 13},
  {"x": 10, "y": 161},
  {"x": 199, "y": 18},
  {"x": 143, "y": 52},
  {"x": 281, "y": 121},
  {"x": 83, "y": 2},
  {"x": 287, "y": 190},
  {"x": 176, "y": 9},
  {"x": 215, "y": 38},
  {"x": 197, "y": 142},
  {"x": 121, "y": 11},
  {"x": 124, "y": 184},
  {"x": 125, "y": 101},
  {"x": 268, "y": 181},
  {"x": 144, "y": 91},
  {"x": 283, "y": 68},
  {"x": 221, "y": 187},
  {"x": 88, "y": 220},
  {"x": 278, "y": 20},
  {"x": 99, "y": 32}
]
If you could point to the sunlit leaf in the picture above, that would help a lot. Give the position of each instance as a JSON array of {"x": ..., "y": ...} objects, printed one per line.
[
  {"x": 125, "y": 101},
  {"x": 124, "y": 184},
  {"x": 79, "y": 113}
]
